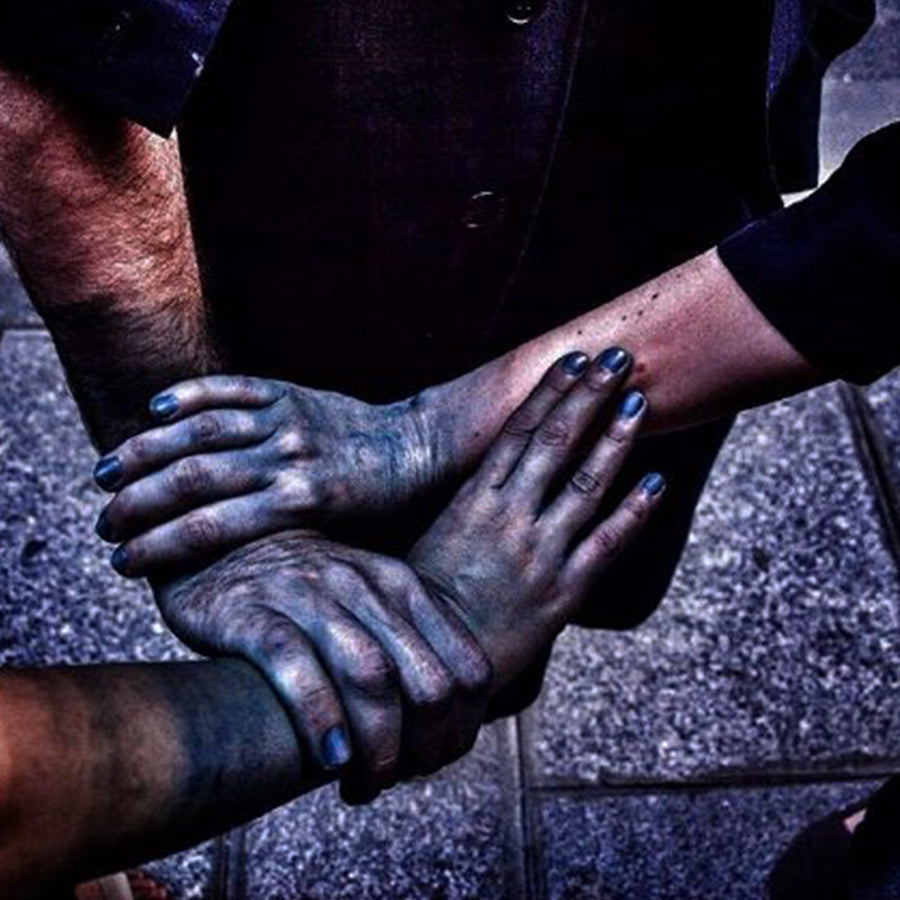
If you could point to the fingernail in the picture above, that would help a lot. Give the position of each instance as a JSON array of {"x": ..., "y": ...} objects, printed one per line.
[
  {"x": 653, "y": 484},
  {"x": 336, "y": 747},
  {"x": 164, "y": 406},
  {"x": 103, "y": 528},
  {"x": 632, "y": 404},
  {"x": 120, "y": 560},
  {"x": 614, "y": 360},
  {"x": 107, "y": 472},
  {"x": 575, "y": 363}
]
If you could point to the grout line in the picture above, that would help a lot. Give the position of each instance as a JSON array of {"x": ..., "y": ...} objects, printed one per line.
[
  {"x": 229, "y": 881},
  {"x": 532, "y": 844},
  {"x": 872, "y": 449},
  {"x": 748, "y": 782}
]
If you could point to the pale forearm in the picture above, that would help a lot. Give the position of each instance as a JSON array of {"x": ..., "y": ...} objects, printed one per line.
[
  {"x": 700, "y": 347},
  {"x": 94, "y": 212},
  {"x": 105, "y": 766}
]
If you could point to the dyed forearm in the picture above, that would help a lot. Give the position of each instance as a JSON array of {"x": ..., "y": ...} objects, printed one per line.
[
  {"x": 701, "y": 350},
  {"x": 94, "y": 212},
  {"x": 105, "y": 766}
]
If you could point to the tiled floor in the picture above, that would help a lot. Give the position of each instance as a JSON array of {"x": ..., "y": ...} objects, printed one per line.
[{"x": 670, "y": 762}]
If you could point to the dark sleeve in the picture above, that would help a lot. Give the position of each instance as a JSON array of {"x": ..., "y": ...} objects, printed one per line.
[
  {"x": 138, "y": 58},
  {"x": 826, "y": 271}
]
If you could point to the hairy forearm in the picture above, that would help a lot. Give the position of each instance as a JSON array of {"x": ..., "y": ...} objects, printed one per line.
[
  {"x": 94, "y": 212},
  {"x": 701, "y": 350},
  {"x": 105, "y": 766}
]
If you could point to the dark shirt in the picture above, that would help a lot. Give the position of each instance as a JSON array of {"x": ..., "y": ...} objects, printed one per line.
[{"x": 311, "y": 143}]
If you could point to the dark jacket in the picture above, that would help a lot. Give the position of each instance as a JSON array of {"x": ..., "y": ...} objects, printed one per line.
[{"x": 433, "y": 182}]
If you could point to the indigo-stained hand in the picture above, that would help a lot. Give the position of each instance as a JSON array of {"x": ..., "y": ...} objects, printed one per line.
[
  {"x": 381, "y": 679},
  {"x": 236, "y": 458},
  {"x": 524, "y": 540},
  {"x": 385, "y": 667}
]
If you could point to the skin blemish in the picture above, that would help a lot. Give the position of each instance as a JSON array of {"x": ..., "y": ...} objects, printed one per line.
[
  {"x": 624, "y": 319},
  {"x": 655, "y": 296}
]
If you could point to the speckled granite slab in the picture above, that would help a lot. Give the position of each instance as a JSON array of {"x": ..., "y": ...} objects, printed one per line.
[
  {"x": 15, "y": 310},
  {"x": 706, "y": 845}
]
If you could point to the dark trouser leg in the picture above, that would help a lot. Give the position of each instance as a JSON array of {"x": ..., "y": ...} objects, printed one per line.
[{"x": 635, "y": 585}]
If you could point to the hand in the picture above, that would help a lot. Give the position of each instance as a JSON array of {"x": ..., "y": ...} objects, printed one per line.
[
  {"x": 519, "y": 547},
  {"x": 366, "y": 663},
  {"x": 239, "y": 458}
]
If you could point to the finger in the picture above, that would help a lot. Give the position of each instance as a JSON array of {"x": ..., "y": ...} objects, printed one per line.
[
  {"x": 566, "y": 425},
  {"x": 427, "y": 685},
  {"x": 200, "y": 534},
  {"x": 506, "y": 449},
  {"x": 582, "y": 494},
  {"x": 280, "y": 649},
  {"x": 221, "y": 429},
  {"x": 610, "y": 537},
  {"x": 184, "y": 485},
  {"x": 188, "y": 397},
  {"x": 367, "y": 680},
  {"x": 468, "y": 665}
]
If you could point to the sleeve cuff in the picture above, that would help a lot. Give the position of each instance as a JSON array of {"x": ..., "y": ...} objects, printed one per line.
[
  {"x": 826, "y": 271},
  {"x": 137, "y": 58}
]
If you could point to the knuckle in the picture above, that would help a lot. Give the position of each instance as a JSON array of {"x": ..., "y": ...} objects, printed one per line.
[
  {"x": 434, "y": 695},
  {"x": 298, "y": 493},
  {"x": 200, "y": 530},
  {"x": 373, "y": 673},
  {"x": 290, "y": 443},
  {"x": 620, "y": 433},
  {"x": 608, "y": 540},
  {"x": 521, "y": 424},
  {"x": 139, "y": 448},
  {"x": 554, "y": 433},
  {"x": 477, "y": 673},
  {"x": 636, "y": 510},
  {"x": 585, "y": 482},
  {"x": 190, "y": 477},
  {"x": 205, "y": 428}
]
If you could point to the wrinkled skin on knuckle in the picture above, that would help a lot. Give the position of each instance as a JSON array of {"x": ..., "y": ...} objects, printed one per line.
[
  {"x": 434, "y": 694},
  {"x": 200, "y": 531},
  {"x": 190, "y": 478},
  {"x": 585, "y": 482},
  {"x": 139, "y": 448},
  {"x": 371, "y": 672},
  {"x": 205, "y": 427},
  {"x": 554, "y": 433},
  {"x": 608, "y": 541},
  {"x": 522, "y": 424}
]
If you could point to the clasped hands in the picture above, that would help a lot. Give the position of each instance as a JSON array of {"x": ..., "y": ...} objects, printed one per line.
[{"x": 385, "y": 667}]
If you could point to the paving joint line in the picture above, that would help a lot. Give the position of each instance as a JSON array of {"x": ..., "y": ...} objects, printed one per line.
[{"x": 873, "y": 453}]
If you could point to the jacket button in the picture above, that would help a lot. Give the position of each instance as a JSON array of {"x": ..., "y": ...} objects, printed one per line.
[
  {"x": 521, "y": 12},
  {"x": 483, "y": 211}
]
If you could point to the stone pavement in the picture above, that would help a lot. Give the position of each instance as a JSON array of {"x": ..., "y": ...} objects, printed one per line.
[{"x": 671, "y": 762}]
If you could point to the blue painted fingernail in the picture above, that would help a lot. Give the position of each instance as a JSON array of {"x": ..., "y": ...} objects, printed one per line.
[
  {"x": 575, "y": 363},
  {"x": 614, "y": 360},
  {"x": 103, "y": 528},
  {"x": 653, "y": 484},
  {"x": 164, "y": 406},
  {"x": 107, "y": 472},
  {"x": 336, "y": 747},
  {"x": 632, "y": 404},
  {"x": 120, "y": 560}
]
